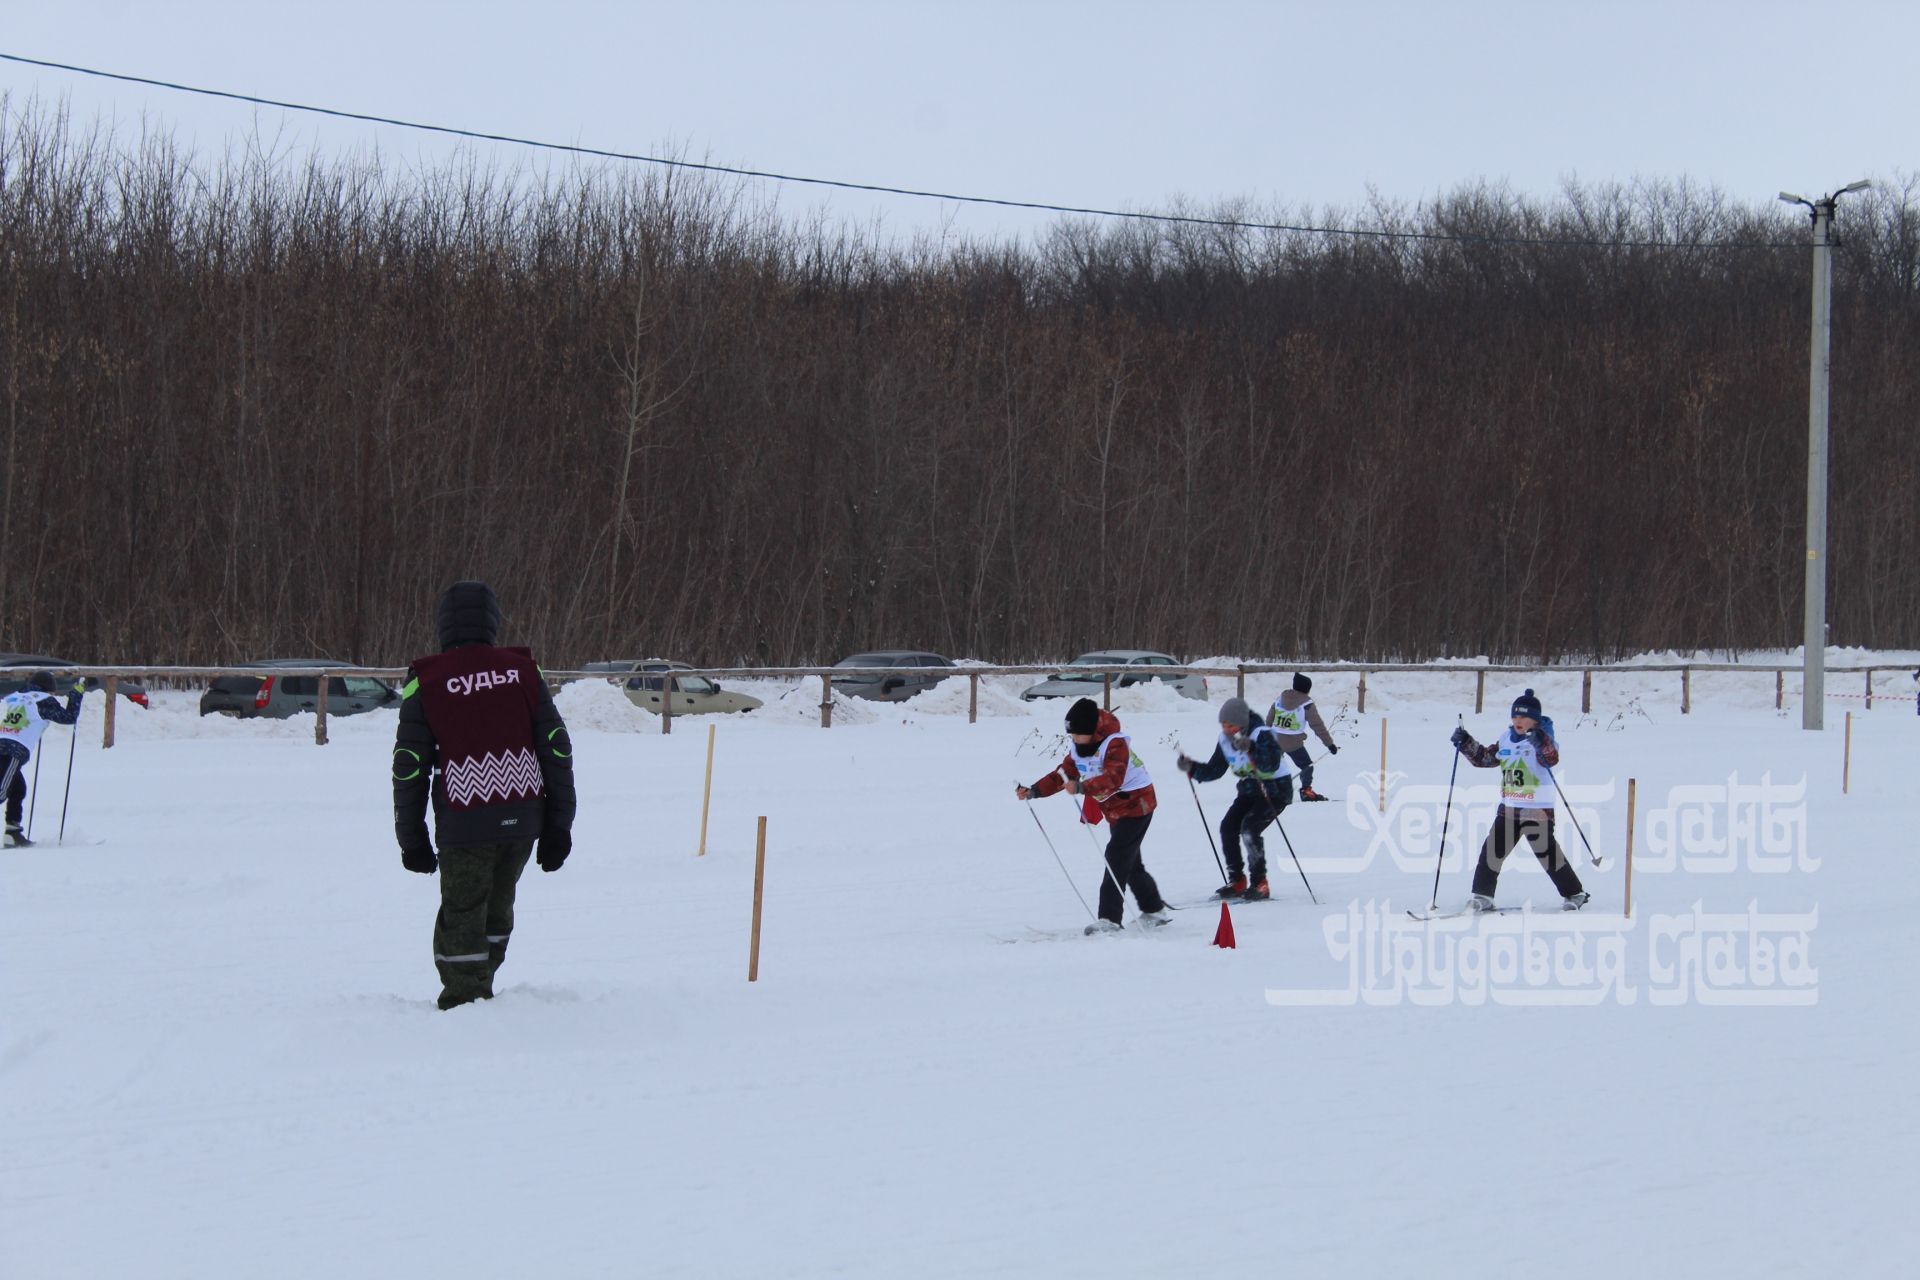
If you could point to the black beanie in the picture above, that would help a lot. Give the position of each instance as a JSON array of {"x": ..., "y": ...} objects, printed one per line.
[
  {"x": 1301, "y": 684},
  {"x": 1083, "y": 716},
  {"x": 468, "y": 615},
  {"x": 41, "y": 681},
  {"x": 1526, "y": 705}
]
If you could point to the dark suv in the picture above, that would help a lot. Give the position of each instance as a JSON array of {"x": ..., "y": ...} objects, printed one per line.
[
  {"x": 279, "y": 696},
  {"x": 131, "y": 691},
  {"x": 891, "y": 688}
]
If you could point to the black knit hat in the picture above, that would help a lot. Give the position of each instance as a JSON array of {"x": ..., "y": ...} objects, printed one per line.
[
  {"x": 41, "y": 681},
  {"x": 468, "y": 614},
  {"x": 1301, "y": 684},
  {"x": 1526, "y": 705},
  {"x": 1083, "y": 716}
]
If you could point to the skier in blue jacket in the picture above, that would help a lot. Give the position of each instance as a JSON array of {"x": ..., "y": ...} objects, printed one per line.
[{"x": 1523, "y": 754}]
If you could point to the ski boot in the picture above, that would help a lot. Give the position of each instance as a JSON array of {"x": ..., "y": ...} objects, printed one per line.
[
  {"x": 1575, "y": 901},
  {"x": 1481, "y": 904},
  {"x": 1308, "y": 793},
  {"x": 1102, "y": 926},
  {"x": 1256, "y": 892},
  {"x": 16, "y": 838},
  {"x": 1154, "y": 919},
  {"x": 1234, "y": 887}
]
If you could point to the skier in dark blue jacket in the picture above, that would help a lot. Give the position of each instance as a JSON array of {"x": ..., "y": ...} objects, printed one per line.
[
  {"x": 24, "y": 716},
  {"x": 1253, "y": 752}
]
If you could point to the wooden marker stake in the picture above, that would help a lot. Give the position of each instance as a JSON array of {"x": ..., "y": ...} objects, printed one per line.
[
  {"x": 759, "y": 879},
  {"x": 1629, "y": 906},
  {"x": 1846, "y": 756},
  {"x": 1383, "y": 764},
  {"x": 706, "y": 796}
]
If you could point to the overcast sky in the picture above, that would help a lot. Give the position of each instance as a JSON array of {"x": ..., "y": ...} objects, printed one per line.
[{"x": 1114, "y": 104}]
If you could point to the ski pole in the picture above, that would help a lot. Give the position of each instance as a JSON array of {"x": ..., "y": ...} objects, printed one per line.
[
  {"x": 1281, "y": 828},
  {"x": 1056, "y": 858},
  {"x": 1204, "y": 826},
  {"x": 1098, "y": 852},
  {"x": 1278, "y": 826},
  {"x": 72, "y": 742},
  {"x": 1446, "y": 817},
  {"x": 33, "y": 799},
  {"x": 1594, "y": 858}
]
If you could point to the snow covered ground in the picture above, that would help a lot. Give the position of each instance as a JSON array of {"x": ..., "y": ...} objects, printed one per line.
[{"x": 219, "y": 1054}]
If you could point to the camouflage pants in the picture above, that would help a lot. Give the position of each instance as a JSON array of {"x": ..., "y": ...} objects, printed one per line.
[{"x": 470, "y": 934}]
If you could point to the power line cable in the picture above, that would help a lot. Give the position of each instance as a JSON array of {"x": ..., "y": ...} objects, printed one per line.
[{"x": 1041, "y": 206}]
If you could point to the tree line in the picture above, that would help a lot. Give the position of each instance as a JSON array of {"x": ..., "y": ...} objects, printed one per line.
[{"x": 267, "y": 405}]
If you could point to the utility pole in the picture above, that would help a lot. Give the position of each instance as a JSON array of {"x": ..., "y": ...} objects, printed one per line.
[{"x": 1814, "y": 669}]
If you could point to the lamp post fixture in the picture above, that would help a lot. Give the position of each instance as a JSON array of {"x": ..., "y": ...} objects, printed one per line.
[{"x": 1814, "y": 671}]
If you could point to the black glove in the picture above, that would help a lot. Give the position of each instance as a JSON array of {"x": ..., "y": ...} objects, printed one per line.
[
  {"x": 1537, "y": 736},
  {"x": 419, "y": 857},
  {"x": 1332, "y": 749},
  {"x": 1461, "y": 738},
  {"x": 1183, "y": 764},
  {"x": 554, "y": 848}
]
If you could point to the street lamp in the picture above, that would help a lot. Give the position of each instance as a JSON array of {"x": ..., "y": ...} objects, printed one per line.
[{"x": 1814, "y": 671}]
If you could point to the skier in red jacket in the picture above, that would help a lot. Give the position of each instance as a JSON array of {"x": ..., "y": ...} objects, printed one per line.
[{"x": 1102, "y": 766}]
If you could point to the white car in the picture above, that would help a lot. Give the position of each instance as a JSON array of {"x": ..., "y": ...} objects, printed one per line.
[{"x": 1071, "y": 684}]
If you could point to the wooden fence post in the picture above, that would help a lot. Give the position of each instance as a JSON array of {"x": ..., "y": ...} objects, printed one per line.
[
  {"x": 1240, "y": 683},
  {"x": 1869, "y": 688},
  {"x": 826, "y": 701},
  {"x": 1479, "y": 692},
  {"x": 759, "y": 880},
  {"x": 1106, "y": 691},
  {"x": 1363, "y": 693},
  {"x": 1586, "y": 692},
  {"x": 666, "y": 701},
  {"x": 113, "y": 699},
  {"x": 1686, "y": 691},
  {"x": 973, "y": 697},
  {"x": 320, "y": 713},
  {"x": 1779, "y": 690}
]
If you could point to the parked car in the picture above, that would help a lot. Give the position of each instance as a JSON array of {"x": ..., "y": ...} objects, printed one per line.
[
  {"x": 1071, "y": 684},
  {"x": 659, "y": 680},
  {"x": 277, "y": 697},
  {"x": 130, "y": 690},
  {"x": 889, "y": 688}
]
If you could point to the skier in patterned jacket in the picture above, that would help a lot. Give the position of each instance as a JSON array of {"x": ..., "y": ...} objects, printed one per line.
[
  {"x": 24, "y": 716},
  {"x": 1523, "y": 754},
  {"x": 1102, "y": 766},
  {"x": 478, "y": 730}
]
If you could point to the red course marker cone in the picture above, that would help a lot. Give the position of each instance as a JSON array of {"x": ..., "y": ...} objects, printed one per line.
[{"x": 1223, "y": 936}]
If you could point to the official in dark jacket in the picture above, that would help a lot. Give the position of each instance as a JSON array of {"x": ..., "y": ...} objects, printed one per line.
[{"x": 478, "y": 730}]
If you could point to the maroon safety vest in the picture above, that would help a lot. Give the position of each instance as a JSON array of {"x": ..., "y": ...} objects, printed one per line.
[{"x": 479, "y": 701}]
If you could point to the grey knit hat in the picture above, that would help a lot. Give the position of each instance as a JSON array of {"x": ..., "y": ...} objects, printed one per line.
[{"x": 1236, "y": 713}]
